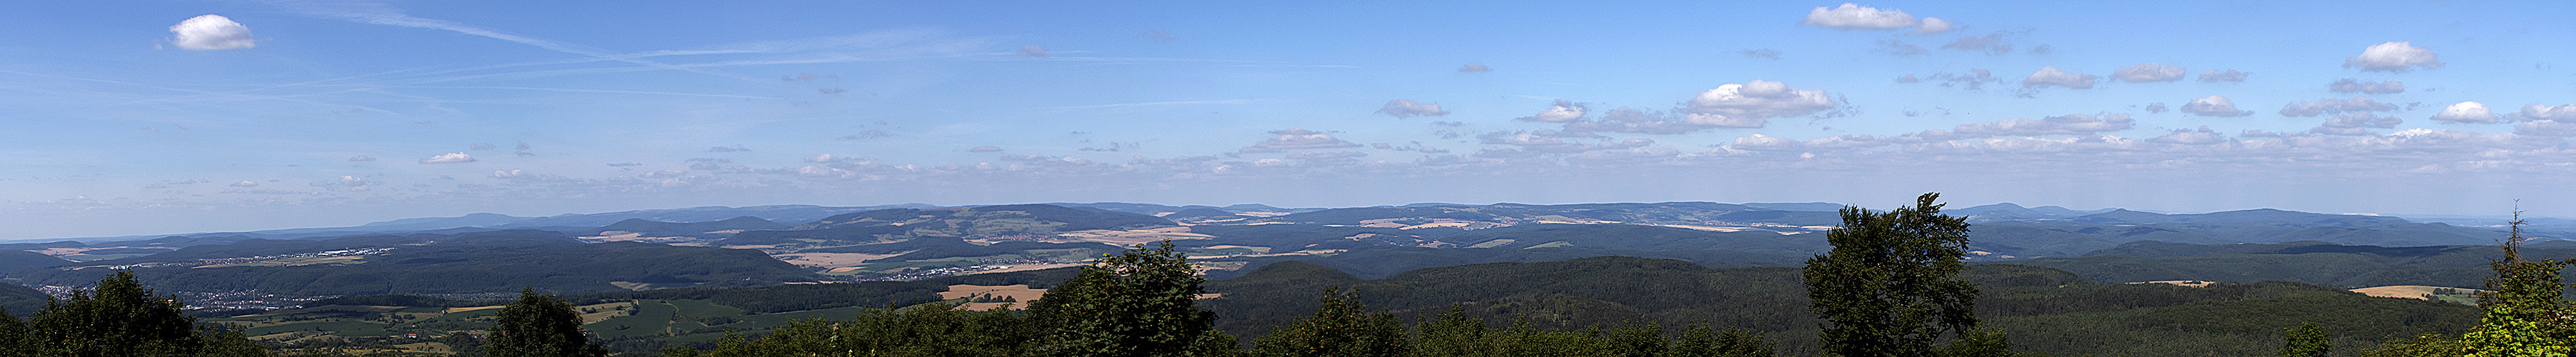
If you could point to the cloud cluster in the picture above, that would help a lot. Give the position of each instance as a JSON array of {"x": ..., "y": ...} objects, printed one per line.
[
  {"x": 1294, "y": 139},
  {"x": 1748, "y": 105},
  {"x": 1475, "y": 67},
  {"x": 2542, "y": 120},
  {"x": 2466, "y": 112},
  {"x": 2348, "y": 85},
  {"x": 1563, "y": 111},
  {"x": 2070, "y": 124},
  {"x": 2149, "y": 72},
  {"x": 1992, "y": 44},
  {"x": 2355, "y": 124},
  {"x": 1851, "y": 16},
  {"x": 2394, "y": 57},
  {"x": 2051, "y": 76},
  {"x": 210, "y": 33},
  {"x": 1406, "y": 108},
  {"x": 2214, "y": 106},
  {"x": 2214, "y": 76},
  {"x": 2335, "y": 106},
  {"x": 448, "y": 158}
]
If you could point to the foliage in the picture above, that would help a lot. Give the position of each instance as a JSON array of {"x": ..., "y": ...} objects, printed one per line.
[
  {"x": 1141, "y": 302},
  {"x": 1889, "y": 286},
  {"x": 539, "y": 325},
  {"x": 118, "y": 318},
  {"x": 1698, "y": 340},
  {"x": 1340, "y": 328},
  {"x": 923, "y": 330},
  {"x": 2526, "y": 315},
  {"x": 2307, "y": 340}
]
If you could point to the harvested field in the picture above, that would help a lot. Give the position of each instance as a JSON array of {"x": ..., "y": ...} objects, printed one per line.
[{"x": 1020, "y": 292}]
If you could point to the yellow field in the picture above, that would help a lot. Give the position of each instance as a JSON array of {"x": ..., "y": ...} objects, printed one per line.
[
  {"x": 2408, "y": 291},
  {"x": 2189, "y": 283},
  {"x": 830, "y": 260},
  {"x": 1020, "y": 292}
]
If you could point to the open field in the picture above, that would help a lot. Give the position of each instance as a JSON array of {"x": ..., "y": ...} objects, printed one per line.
[{"x": 2435, "y": 293}]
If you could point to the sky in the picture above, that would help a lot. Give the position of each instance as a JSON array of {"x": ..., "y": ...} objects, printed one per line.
[{"x": 150, "y": 117}]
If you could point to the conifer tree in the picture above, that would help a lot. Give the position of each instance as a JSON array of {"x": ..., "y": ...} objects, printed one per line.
[
  {"x": 539, "y": 325},
  {"x": 1453, "y": 334},
  {"x": 1889, "y": 288},
  {"x": 2526, "y": 316},
  {"x": 2307, "y": 340}
]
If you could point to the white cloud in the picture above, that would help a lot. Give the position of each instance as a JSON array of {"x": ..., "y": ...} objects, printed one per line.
[
  {"x": 2355, "y": 124},
  {"x": 2545, "y": 128},
  {"x": 1033, "y": 51},
  {"x": 2231, "y": 75},
  {"x": 2394, "y": 57},
  {"x": 2466, "y": 112},
  {"x": 1294, "y": 138},
  {"x": 1475, "y": 67},
  {"x": 2562, "y": 112},
  {"x": 1564, "y": 111},
  {"x": 362, "y": 158},
  {"x": 210, "y": 32},
  {"x": 2157, "y": 107},
  {"x": 2348, "y": 85},
  {"x": 2203, "y": 136},
  {"x": 1855, "y": 17},
  {"x": 1934, "y": 25},
  {"x": 1992, "y": 44},
  {"x": 2070, "y": 124},
  {"x": 2149, "y": 72},
  {"x": 448, "y": 158},
  {"x": 985, "y": 149},
  {"x": 502, "y": 174},
  {"x": 1747, "y": 105},
  {"x": 1766, "y": 142},
  {"x": 2051, "y": 76},
  {"x": 819, "y": 158},
  {"x": 245, "y": 183},
  {"x": 2335, "y": 106},
  {"x": 1405, "y": 108},
  {"x": 2214, "y": 106}
]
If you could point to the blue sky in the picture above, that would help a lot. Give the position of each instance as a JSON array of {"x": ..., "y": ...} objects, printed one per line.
[{"x": 146, "y": 118}]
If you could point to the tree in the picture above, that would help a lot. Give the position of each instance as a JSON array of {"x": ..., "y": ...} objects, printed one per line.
[
  {"x": 1340, "y": 328},
  {"x": 2526, "y": 316},
  {"x": 122, "y": 318},
  {"x": 2307, "y": 340},
  {"x": 1636, "y": 340},
  {"x": 539, "y": 325},
  {"x": 1889, "y": 287},
  {"x": 1141, "y": 302},
  {"x": 1452, "y": 335}
]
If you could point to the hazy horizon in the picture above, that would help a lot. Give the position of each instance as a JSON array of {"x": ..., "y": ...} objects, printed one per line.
[{"x": 138, "y": 118}]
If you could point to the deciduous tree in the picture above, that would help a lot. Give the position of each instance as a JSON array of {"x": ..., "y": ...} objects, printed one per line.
[
  {"x": 539, "y": 325},
  {"x": 1889, "y": 287},
  {"x": 1141, "y": 302}
]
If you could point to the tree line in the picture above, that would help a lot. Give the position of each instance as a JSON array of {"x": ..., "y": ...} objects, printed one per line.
[{"x": 1890, "y": 287}]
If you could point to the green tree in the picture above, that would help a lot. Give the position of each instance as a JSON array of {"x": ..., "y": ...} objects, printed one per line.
[
  {"x": 539, "y": 325},
  {"x": 1141, "y": 302},
  {"x": 1340, "y": 328},
  {"x": 934, "y": 329},
  {"x": 15, "y": 339},
  {"x": 122, "y": 318},
  {"x": 1636, "y": 340},
  {"x": 1890, "y": 287},
  {"x": 1453, "y": 334},
  {"x": 2307, "y": 340},
  {"x": 2526, "y": 316}
]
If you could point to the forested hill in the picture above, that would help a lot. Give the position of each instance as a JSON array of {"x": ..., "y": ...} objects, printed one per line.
[{"x": 483, "y": 262}]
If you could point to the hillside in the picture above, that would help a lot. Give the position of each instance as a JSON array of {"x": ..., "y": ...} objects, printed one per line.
[
  {"x": 2349, "y": 266},
  {"x": 471, "y": 263}
]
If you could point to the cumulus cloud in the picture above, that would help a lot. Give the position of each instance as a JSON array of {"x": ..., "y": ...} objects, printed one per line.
[
  {"x": 1405, "y": 108},
  {"x": 1855, "y": 17},
  {"x": 2466, "y": 112},
  {"x": 2355, "y": 124},
  {"x": 2203, "y": 136},
  {"x": 2394, "y": 57},
  {"x": 1294, "y": 138},
  {"x": 2214, "y": 106},
  {"x": 1934, "y": 25},
  {"x": 1990, "y": 43},
  {"x": 1763, "y": 53},
  {"x": 209, "y": 33},
  {"x": 1766, "y": 142},
  {"x": 985, "y": 149},
  {"x": 819, "y": 158},
  {"x": 2231, "y": 75},
  {"x": 2348, "y": 85},
  {"x": 503, "y": 174},
  {"x": 2562, "y": 112},
  {"x": 2157, "y": 107},
  {"x": 362, "y": 158},
  {"x": 1748, "y": 105},
  {"x": 2149, "y": 72},
  {"x": 448, "y": 158},
  {"x": 1475, "y": 67},
  {"x": 2335, "y": 106},
  {"x": 1908, "y": 79},
  {"x": 2070, "y": 124},
  {"x": 2051, "y": 76},
  {"x": 1564, "y": 111},
  {"x": 245, "y": 183},
  {"x": 1032, "y": 51}
]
